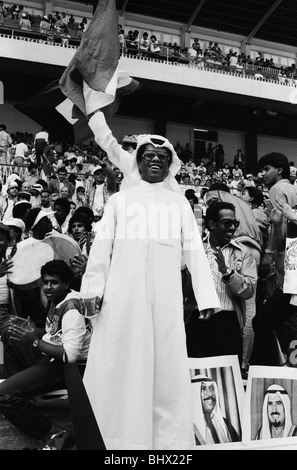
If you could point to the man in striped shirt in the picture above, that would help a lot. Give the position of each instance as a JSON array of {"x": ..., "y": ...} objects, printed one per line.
[{"x": 235, "y": 276}]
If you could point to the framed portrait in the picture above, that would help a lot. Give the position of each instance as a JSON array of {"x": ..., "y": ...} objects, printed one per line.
[
  {"x": 217, "y": 402},
  {"x": 270, "y": 408}
]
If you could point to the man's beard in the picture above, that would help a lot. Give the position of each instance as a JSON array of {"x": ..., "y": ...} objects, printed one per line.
[{"x": 276, "y": 424}]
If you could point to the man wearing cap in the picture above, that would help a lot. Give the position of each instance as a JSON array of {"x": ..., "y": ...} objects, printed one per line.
[
  {"x": 17, "y": 228},
  {"x": 9, "y": 200},
  {"x": 137, "y": 375}
]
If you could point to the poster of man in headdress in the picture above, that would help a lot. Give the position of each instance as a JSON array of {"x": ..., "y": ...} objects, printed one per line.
[
  {"x": 270, "y": 409},
  {"x": 217, "y": 400}
]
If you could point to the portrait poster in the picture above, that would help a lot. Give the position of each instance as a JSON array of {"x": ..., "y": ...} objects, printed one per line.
[
  {"x": 217, "y": 402},
  {"x": 270, "y": 408}
]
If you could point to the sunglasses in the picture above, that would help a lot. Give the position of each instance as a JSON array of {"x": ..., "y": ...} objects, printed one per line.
[
  {"x": 150, "y": 155},
  {"x": 228, "y": 223}
]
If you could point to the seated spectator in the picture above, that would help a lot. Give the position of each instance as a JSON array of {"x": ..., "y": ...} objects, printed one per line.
[
  {"x": 66, "y": 193},
  {"x": 192, "y": 54},
  {"x": 249, "y": 180},
  {"x": 144, "y": 43},
  {"x": 154, "y": 46},
  {"x": 37, "y": 356},
  {"x": 234, "y": 185},
  {"x": 237, "y": 171},
  {"x": 258, "y": 75},
  {"x": 202, "y": 170},
  {"x": 65, "y": 37}
]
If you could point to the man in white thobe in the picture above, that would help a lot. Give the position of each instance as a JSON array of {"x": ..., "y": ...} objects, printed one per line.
[{"x": 137, "y": 375}]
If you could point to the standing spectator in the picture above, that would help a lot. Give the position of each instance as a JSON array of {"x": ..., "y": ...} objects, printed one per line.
[
  {"x": 219, "y": 156},
  {"x": 274, "y": 306},
  {"x": 209, "y": 156},
  {"x": 48, "y": 159},
  {"x": 41, "y": 140},
  {"x": 147, "y": 311},
  {"x": 21, "y": 150},
  {"x": 44, "y": 25},
  {"x": 239, "y": 159},
  {"x": 5, "y": 144},
  {"x": 9, "y": 200},
  {"x": 235, "y": 276},
  {"x": 24, "y": 22}
]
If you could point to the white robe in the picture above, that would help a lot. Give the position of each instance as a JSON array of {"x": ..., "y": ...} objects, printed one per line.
[{"x": 137, "y": 374}]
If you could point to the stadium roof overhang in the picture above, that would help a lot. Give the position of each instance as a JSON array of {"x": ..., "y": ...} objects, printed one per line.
[{"x": 268, "y": 20}]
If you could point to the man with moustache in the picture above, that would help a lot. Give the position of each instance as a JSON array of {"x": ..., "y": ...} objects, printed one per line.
[
  {"x": 276, "y": 415},
  {"x": 210, "y": 426}
]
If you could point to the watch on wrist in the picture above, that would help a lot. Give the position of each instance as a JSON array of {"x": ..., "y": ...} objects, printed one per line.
[
  {"x": 269, "y": 252},
  {"x": 228, "y": 274},
  {"x": 35, "y": 343}
]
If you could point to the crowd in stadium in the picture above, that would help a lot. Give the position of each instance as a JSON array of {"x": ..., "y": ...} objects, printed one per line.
[{"x": 87, "y": 276}]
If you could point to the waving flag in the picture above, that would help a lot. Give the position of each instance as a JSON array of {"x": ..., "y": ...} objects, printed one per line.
[
  {"x": 96, "y": 62},
  {"x": 60, "y": 106}
]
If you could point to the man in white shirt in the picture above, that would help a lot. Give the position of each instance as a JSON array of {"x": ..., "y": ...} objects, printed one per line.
[
  {"x": 5, "y": 143},
  {"x": 40, "y": 141}
]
